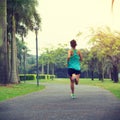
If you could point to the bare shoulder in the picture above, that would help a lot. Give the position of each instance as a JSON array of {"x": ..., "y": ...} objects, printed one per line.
[
  {"x": 70, "y": 52},
  {"x": 78, "y": 51}
]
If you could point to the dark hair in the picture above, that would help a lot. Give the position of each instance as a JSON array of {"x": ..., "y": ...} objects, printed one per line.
[{"x": 73, "y": 43}]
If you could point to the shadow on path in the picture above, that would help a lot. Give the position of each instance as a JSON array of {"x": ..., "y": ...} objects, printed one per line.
[{"x": 55, "y": 103}]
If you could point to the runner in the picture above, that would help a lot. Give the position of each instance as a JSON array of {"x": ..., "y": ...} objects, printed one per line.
[{"x": 73, "y": 61}]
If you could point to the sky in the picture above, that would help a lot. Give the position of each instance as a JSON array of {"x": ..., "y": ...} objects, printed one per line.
[{"x": 62, "y": 20}]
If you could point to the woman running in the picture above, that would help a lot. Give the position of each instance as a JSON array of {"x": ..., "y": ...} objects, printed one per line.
[{"x": 74, "y": 70}]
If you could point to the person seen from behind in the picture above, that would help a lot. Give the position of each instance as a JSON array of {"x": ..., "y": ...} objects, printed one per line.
[{"x": 73, "y": 62}]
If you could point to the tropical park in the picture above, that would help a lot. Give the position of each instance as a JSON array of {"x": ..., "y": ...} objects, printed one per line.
[{"x": 23, "y": 73}]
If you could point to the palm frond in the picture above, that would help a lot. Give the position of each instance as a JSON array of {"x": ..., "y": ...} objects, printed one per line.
[{"x": 112, "y": 5}]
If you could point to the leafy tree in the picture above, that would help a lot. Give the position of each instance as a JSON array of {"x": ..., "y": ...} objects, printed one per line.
[
  {"x": 85, "y": 63},
  {"x": 42, "y": 62},
  {"x": 52, "y": 59},
  {"x": 21, "y": 54},
  {"x": 109, "y": 42},
  {"x": 60, "y": 57},
  {"x": 99, "y": 62},
  {"x": 92, "y": 62}
]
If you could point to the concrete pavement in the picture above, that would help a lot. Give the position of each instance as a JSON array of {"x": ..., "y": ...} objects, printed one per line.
[{"x": 55, "y": 103}]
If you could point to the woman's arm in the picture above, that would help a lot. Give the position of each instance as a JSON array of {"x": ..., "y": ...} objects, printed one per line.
[
  {"x": 79, "y": 53},
  {"x": 69, "y": 55}
]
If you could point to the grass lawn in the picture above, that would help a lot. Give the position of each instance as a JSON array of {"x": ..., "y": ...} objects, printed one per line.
[
  {"x": 107, "y": 84},
  {"x": 10, "y": 91}
]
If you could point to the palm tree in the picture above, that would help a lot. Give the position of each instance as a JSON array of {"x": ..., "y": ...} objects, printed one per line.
[
  {"x": 3, "y": 43},
  {"x": 109, "y": 42},
  {"x": 20, "y": 11}
]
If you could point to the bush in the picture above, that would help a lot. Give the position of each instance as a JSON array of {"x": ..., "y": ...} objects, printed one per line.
[
  {"x": 27, "y": 77},
  {"x": 42, "y": 76},
  {"x": 46, "y": 76},
  {"x": 33, "y": 77},
  {"x": 50, "y": 77}
]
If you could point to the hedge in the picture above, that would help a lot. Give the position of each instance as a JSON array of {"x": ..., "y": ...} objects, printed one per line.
[
  {"x": 46, "y": 76},
  {"x": 33, "y": 76},
  {"x": 27, "y": 77}
]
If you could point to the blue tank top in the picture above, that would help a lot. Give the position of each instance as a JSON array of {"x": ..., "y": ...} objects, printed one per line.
[{"x": 74, "y": 61}]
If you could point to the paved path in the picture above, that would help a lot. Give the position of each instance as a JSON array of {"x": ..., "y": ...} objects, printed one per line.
[{"x": 54, "y": 103}]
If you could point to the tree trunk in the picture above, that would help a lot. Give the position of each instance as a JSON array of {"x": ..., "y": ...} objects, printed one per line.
[
  {"x": 48, "y": 67},
  {"x": 53, "y": 69},
  {"x": 14, "y": 75},
  {"x": 115, "y": 74},
  {"x": 92, "y": 75},
  {"x": 42, "y": 68},
  {"x": 3, "y": 43},
  {"x": 111, "y": 75}
]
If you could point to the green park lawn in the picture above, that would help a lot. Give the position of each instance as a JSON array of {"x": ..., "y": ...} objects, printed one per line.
[
  {"x": 107, "y": 84},
  {"x": 10, "y": 91}
]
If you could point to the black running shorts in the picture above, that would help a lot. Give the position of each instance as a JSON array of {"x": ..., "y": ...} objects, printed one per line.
[{"x": 73, "y": 71}]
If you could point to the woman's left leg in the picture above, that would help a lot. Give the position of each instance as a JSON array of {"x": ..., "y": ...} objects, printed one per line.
[{"x": 77, "y": 79}]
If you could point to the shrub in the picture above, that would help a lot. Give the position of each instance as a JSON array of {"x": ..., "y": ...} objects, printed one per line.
[
  {"x": 46, "y": 76},
  {"x": 42, "y": 76},
  {"x": 27, "y": 77},
  {"x": 50, "y": 77},
  {"x": 33, "y": 76}
]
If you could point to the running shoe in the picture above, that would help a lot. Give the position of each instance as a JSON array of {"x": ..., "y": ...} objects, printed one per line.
[{"x": 73, "y": 96}]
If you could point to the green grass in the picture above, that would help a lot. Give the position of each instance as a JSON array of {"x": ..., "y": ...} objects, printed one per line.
[
  {"x": 114, "y": 88},
  {"x": 11, "y": 91}
]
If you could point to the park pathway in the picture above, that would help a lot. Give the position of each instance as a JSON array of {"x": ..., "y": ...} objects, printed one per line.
[{"x": 55, "y": 103}]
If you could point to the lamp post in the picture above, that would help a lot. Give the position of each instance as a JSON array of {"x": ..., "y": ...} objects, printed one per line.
[{"x": 36, "y": 28}]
